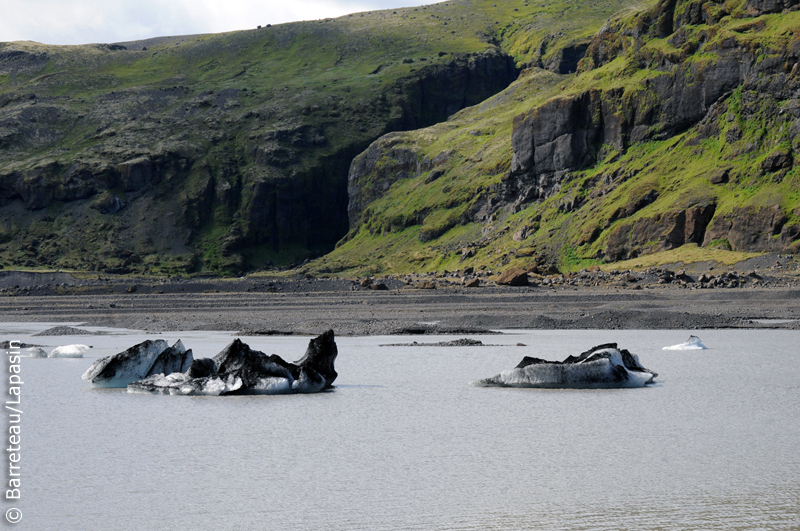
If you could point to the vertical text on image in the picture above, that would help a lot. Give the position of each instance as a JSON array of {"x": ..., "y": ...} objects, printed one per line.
[{"x": 14, "y": 410}]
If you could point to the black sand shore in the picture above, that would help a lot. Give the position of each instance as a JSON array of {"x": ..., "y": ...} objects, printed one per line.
[{"x": 310, "y": 306}]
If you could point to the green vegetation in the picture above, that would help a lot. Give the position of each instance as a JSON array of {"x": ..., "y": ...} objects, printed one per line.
[
  {"x": 232, "y": 119},
  {"x": 243, "y": 141},
  {"x": 748, "y": 148}
]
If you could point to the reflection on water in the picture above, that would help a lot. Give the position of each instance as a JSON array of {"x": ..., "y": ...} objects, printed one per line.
[{"x": 404, "y": 442}]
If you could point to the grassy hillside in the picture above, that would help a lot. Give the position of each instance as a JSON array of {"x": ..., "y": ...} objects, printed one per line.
[
  {"x": 229, "y": 152},
  {"x": 736, "y": 161}
]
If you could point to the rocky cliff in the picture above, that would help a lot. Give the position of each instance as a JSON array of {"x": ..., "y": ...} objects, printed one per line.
[
  {"x": 475, "y": 134},
  {"x": 217, "y": 152},
  {"x": 680, "y": 126},
  {"x": 675, "y": 94}
]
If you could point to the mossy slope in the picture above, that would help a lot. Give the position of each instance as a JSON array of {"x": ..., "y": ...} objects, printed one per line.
[
  {"x": 227, "y": 152},
  {"x": 657, "y": 165}
]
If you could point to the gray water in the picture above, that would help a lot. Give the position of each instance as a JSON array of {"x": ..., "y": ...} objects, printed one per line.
[{"x": 404, "y": 442}]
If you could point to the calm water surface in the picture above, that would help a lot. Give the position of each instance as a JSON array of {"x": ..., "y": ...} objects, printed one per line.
[{"x": 404, "y": 442}]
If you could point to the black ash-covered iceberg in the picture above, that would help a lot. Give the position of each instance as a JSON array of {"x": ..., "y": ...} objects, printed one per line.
[
  {"x": 140, "y": 361},
  {"x": 238, "y": 369},
  {"x": 604, "y": 366}
]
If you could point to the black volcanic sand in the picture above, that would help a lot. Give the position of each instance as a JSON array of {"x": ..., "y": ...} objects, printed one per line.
[{"x": 250, "y": 306}]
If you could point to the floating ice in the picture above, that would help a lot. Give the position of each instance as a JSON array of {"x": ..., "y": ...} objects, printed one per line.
[
  {"x": 604, "y": 366},
  {"x": 238, "y": 369},
  {"x": 693, "y": 343},
  {"x": 140, "y": 361},
  {"x": 36, "y": 352},
  {"x": 69, "y": 351}
]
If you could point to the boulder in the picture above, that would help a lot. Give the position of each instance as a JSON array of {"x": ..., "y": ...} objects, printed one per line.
[
  {"x": 603, "y": 366},
  {"x": 513, "y": 277}
]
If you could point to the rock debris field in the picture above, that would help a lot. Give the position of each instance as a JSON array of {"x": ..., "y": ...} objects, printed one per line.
[{"x": 760, "y": 294}]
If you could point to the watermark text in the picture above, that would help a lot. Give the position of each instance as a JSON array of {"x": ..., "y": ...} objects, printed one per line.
[{"x": 13, "y": 409}]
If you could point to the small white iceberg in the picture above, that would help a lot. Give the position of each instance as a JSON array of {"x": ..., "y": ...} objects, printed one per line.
[
  {"x": 69, "y": 351},
  {"x": 36, "y": 352},
  {"x": 693, "y": 343}
]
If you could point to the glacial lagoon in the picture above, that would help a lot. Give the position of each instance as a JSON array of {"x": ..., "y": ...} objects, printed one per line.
[{"x": 404, "y": 441}]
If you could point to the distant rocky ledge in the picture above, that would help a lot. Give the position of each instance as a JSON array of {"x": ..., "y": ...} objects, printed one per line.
[
  {"x": 155, "y": 367},
  {"x": 454, "y": 343}
]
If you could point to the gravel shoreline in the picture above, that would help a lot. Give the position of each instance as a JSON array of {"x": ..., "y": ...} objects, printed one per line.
[{"x": 309, "y": 307}]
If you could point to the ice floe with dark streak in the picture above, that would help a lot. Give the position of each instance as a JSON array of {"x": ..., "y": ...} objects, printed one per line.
[{"x": 603, "y": 366}]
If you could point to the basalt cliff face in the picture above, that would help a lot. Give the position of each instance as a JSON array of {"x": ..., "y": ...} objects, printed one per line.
[
  {"x": 183, "y": 177},
  {"x": 680, "y": 126}
]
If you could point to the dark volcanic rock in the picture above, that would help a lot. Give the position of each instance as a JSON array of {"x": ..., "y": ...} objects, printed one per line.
[
  {"x": 668, "y": 230},
  {"x": 760, "y": 7},
  {"x": 754, "y": 229}
]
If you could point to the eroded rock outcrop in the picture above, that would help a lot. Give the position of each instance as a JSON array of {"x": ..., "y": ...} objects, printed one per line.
[
  {"x": 745, "y": 229},
  {"x": 659, "y": 233},
  {"x": 162, "y": 165},
  {"x": 760, "y": 7},
  {"x": 570, "y": 133},
  {"x": 424, "y": 101}
]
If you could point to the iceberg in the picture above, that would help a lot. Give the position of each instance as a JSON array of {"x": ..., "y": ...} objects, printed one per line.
[
  {"x": 603, "y": 366},
  {"x": 238, "y": 369},
  {"x": 148, "y": 358},
  {"x": 68, "y": 351},
  {"x": 693, "y": 343},
  {"x": 36, "y": 352}
]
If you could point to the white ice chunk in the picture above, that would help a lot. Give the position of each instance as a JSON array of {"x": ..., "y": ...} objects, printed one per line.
[
  {"x": 693, "y": 343},
  {"x": 210, "y": 386},
  {"x": 158, "y": 384},
  {"x": 274, "y": 385},
  {"x": 36, "y": 352},
  {"x": 125, "y": 367},
  {"x": 69, "y": 351}
]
